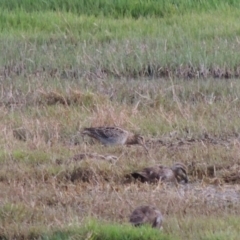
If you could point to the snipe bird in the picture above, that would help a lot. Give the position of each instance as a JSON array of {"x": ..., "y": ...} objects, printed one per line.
[
  {"x": 177, "y": 173},
  {"x": 114, "y": 136},
  {"x": 146, "y": 215}
]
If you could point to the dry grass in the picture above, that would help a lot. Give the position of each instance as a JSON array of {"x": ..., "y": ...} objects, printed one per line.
[
  {"x": 61, "y": 72},
  {"x": 51, "y": 178}
]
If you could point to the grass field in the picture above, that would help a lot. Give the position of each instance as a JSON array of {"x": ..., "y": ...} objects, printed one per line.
[
  {"x": 121, "y": 8},
  {"x": 168, "y": 70}
]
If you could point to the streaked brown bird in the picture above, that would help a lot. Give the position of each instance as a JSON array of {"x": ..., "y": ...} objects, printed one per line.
[
  {"x": 114, "y": 136},
  {"x": 146, "y": 215},
  {"x": 177, "y": 173}
]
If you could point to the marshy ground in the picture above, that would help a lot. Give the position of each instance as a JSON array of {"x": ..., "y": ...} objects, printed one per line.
[
  {"x": 174, "y": 79},
  {"x": 50, "y": 174}
]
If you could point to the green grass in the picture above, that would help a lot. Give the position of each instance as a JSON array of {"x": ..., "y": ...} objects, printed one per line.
[
  {"x": 95, "y": 230},
  {"x": 70, "y": 46},
  {"x": 120, "y": 8},
  {"x": 99, "y": 230},
  {"x": 192, "y": 44}
]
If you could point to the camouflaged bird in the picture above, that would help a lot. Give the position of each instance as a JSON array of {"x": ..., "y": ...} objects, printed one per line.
[
  {"x": 177, "y": 173},
  {"x": 114, "y": 136},
  {"x": 146, "y": 215}
]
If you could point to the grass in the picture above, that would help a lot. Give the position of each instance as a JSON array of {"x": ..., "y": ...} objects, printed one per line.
[
  {"x": 93, "y": 229},
  {"x": 187, "y": 46},
  {"x": 168, "y": 71},
  {"x": 48, "y": 187},
  {"x": 120, "y": 8}
]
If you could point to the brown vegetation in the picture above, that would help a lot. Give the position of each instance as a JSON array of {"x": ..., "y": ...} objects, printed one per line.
[{"x": 51, "y": 177}]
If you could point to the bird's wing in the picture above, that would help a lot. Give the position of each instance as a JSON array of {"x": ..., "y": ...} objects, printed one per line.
[
  {"x": 148, "y": 174},
  {"x": 104, "y": 132}
]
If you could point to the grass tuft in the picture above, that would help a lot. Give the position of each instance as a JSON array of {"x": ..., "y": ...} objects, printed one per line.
[{"x": 96, "y": 230}]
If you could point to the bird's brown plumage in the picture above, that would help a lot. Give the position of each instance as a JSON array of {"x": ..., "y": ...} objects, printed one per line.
[
  {"x": 146, "y": 215},
  {"x": 176, "y": 173},
  {"x": 114, "y": 136}
]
